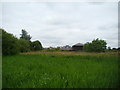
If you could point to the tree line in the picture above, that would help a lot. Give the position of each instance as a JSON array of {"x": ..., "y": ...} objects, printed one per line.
[{"x": 12, "y": 45}]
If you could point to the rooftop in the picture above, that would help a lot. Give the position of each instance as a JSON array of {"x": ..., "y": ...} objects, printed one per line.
[{"x": 78, "y": 44}]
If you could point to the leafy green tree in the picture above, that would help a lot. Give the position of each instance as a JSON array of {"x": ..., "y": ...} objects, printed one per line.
[
  {"x": 25, "y": 35},
  {"x": 95, "y": 46},
  {"x": 10, "y": 44},
  {"x": 114, "y": 49},
  {"x": 24, "y": 45},
  {"x": 87, "y": 46},
  {"x": 0, "y": 42},
  {"x": 31, "y": 45},
  {"x": 119, "y": 49},
  {"x": 36, "y": 45},
  {"x": 109, "y": 48}
]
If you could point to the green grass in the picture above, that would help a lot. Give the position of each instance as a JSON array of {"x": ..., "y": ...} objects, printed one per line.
[{"x": 58, "y": 71}]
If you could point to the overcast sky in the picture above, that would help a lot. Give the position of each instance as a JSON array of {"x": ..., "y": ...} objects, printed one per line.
[{"x": 59, "y": 24}]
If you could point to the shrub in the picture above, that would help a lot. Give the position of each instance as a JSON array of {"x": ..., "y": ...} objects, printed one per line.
[
  {"x": 24, "y": 45},
  {"x": 95, "y": 46},
  {"x": 10, "y": 44},
  {"x": 37, "y": 45},
  {"x": 0, "y": 42}
]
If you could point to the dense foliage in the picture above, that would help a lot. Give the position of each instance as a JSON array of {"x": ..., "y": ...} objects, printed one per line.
[
  {"x": 25, "y": 35},
  {"x": 24, "y": 45},
  {"x": 95, "y": 46},
  {"x": 10, "y": 43},
  {"x": 0, "y": 41},
  {"x": 37, "y": 45}
]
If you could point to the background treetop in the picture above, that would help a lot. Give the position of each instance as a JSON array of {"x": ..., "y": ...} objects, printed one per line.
[
  {"x": 25, "y": 35},
  {"x": 97, "y": 45}
]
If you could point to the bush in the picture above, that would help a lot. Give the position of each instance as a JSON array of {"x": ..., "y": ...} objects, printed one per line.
[
  {"x": 10, "y": 44},
  {"x": 0, "y": 42},
  {"x": 31, "y": 46},
  {"x": 95, "y": 46},
  {"x": 37, "y": 45},
  {"x": 24, "y": 45}
]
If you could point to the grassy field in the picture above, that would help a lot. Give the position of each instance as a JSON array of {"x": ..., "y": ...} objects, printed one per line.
[{"x": 60, "y": 70}]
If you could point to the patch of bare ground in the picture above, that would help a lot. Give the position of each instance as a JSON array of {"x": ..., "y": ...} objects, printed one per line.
[{"x": 70, "y": 53}]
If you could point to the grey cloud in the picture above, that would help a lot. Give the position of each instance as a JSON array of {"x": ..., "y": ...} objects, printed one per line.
[
  {"x": 109, "y": 27},
  {"x": 96, "y": 3},
  {"x": 63, "y": 23}
]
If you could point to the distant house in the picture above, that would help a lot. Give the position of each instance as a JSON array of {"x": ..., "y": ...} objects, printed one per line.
[
  {"x": 50, "y": 47},
  {"x": 78, "y": 46},
  {"x": 67, "y": 47}
]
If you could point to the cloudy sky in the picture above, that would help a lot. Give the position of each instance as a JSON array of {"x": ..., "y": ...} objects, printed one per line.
[{"x": 63, "y": 23}]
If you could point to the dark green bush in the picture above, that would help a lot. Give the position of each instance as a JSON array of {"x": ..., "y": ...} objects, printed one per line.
[
  {"x": 10, "y": 45},
  {"x": 0, "y": 42},
  {"x": 37, "y": 45},
  {"x": 24, "y": 45},
  {"x": 95, "y": 46}
]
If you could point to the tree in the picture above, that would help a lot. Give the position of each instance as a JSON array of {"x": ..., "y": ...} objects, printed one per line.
[
  {"x": 25, "y": 35},
  {"x": 31, "y": 45},
  {"x": 36, "y": 45},
  {"x": 95, "y": 46},
  {"x": 10, "y": 44},
  {"x": 24, "y": 45},
  {"x": 119, "y": 49},
  {"x": 87, "y": 47},
  {"x": 0, "y": 42},
  {"x": 109, "y": 48}
]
